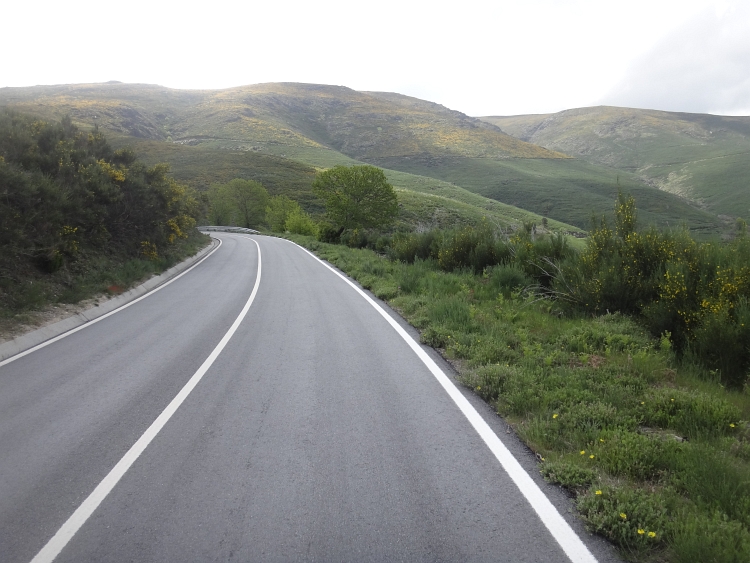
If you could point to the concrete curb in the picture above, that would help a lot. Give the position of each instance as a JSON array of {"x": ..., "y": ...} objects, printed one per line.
[{"x": 35, "y": 337}]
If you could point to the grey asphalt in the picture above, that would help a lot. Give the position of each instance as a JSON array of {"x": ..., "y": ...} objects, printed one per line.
[{"x": 317, "y": 435}]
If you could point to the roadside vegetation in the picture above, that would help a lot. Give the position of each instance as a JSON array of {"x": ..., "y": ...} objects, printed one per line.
[
  {"x": 79, "y": 218},
  {"x": 624, "y": 366}
]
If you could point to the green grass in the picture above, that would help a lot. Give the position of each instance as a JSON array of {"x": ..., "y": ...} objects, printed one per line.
[
  {"x": 645, "y": 443},
  {"x": 568, "y": 191},
  {"x": 199, "y": 167},
  {"x": 425, "y": 202}
]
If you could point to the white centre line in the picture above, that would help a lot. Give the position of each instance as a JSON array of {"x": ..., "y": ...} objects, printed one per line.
[
  {"x": 565, "y": 536},
  {"x": 78, "y": 518}
]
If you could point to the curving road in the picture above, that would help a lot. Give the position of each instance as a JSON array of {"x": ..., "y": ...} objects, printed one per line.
[{"x": 314, "y": 432}]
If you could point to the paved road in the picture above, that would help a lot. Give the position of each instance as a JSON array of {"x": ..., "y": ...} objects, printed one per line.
[{"x": 317, "y": 434}]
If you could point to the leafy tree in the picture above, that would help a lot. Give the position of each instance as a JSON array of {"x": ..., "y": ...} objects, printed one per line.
[
  {"x": 240, "y": 201},
  {"x": 301, "y": 223},
  {"x": 250, "y": 200},
  {"x": 279, "y": 209},
  {"x": 356, "y": 197},
  {"x": 221, "y": 209}
]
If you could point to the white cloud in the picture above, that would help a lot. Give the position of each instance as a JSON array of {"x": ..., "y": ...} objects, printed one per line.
[
  {"x": 702, "y": 67},
  {"x": 481, "y": 57}
]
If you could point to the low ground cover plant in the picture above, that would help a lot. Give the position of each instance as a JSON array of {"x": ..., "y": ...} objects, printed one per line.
[{"x": 648, "y": 437}]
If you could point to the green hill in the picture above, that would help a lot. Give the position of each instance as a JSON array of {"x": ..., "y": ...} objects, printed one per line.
[
  {"x": 279, "y": 133},
  {"x": 702, "y": 158}
]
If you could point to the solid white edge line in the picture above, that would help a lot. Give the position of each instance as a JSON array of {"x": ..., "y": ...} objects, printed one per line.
[
  {"x": 565, "y": 536},
  {"x": 97, "y": 319},
  {"x": 56, "y": 544}
]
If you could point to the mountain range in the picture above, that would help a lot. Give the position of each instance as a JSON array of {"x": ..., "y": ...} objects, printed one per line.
[{"x": 448, "y": 167}]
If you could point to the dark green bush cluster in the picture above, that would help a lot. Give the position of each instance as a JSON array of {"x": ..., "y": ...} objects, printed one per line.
[
  {"x": 64, "y": 191},
  {"x": 696, "y": 293},
  {"x": 354, "y": 238},
  {"x": 480, "y": 248}
]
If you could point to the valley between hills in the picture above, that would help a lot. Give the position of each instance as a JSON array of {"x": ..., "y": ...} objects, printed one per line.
[{"x": 448, "y": 168}]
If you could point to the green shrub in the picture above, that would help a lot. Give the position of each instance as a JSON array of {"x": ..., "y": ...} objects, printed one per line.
[
  {"x": 409, "y": 279},
  {"x": 634, "y": 519},
  {"x": 693, "y": 414},
  {"x": 68, "y": 199},
  {"x": 452, "y": 312},
  {"x": 300, "y": 223},
  {"x": 569, "y": 475},
  {"x": 698, "y": 293},
  {"x": 474, "y": 248},
  {"x": 507, "y": 278},
  {"x": 592, "y": 417},
  {"x": 715, "y": 481},
  {"x": 328, "y": 233},
  {"x": 383, "y": 243},
  {"x": 408, "y": 247},
  {"x": 437, "y": 337},
  {"x": 709, "y": 538},
  {"x": 489, "y": 380},
  {"x": 721, "y": 341},
  {"x": 637, "y": 456}
]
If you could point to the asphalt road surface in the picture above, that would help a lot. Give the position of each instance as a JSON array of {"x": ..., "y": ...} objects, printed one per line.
[{"x": 259, "y": 408}]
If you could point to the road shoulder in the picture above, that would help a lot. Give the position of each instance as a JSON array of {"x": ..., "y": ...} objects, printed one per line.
[{"x": 36, "y": 336}]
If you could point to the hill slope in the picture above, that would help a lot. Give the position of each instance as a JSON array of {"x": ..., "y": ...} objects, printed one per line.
[
  {"x": 703, "y": 158},
  {"x": 317, "y": 126}
]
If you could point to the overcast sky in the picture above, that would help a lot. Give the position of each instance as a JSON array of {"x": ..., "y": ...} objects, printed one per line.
[{"x": 496, "y": 57}]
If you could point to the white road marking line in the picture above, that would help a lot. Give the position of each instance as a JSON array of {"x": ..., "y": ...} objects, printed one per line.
[
  {"x": 565, "y": 536},
  {"x": 78, "y": 518},
  {"x": 96, "y": 320}
]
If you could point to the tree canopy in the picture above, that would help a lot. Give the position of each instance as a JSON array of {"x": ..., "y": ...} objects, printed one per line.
[
  {"x": 356, "y": 196},
  {"x": 240, "y": 202}
]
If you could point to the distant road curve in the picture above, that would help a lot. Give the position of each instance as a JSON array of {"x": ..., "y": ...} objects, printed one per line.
[{"x": 259, "y": 408}]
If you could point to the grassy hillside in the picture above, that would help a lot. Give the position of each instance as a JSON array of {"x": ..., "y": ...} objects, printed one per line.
[
  {"x": 277, "y": 133},
  {"x": 703, "y": 158},
  {"x": 201, "y": 166},
  {"x": 425, "y": 202},
  {"x": 359, "y": 124},
  {"x": 572, "y": 189}
]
